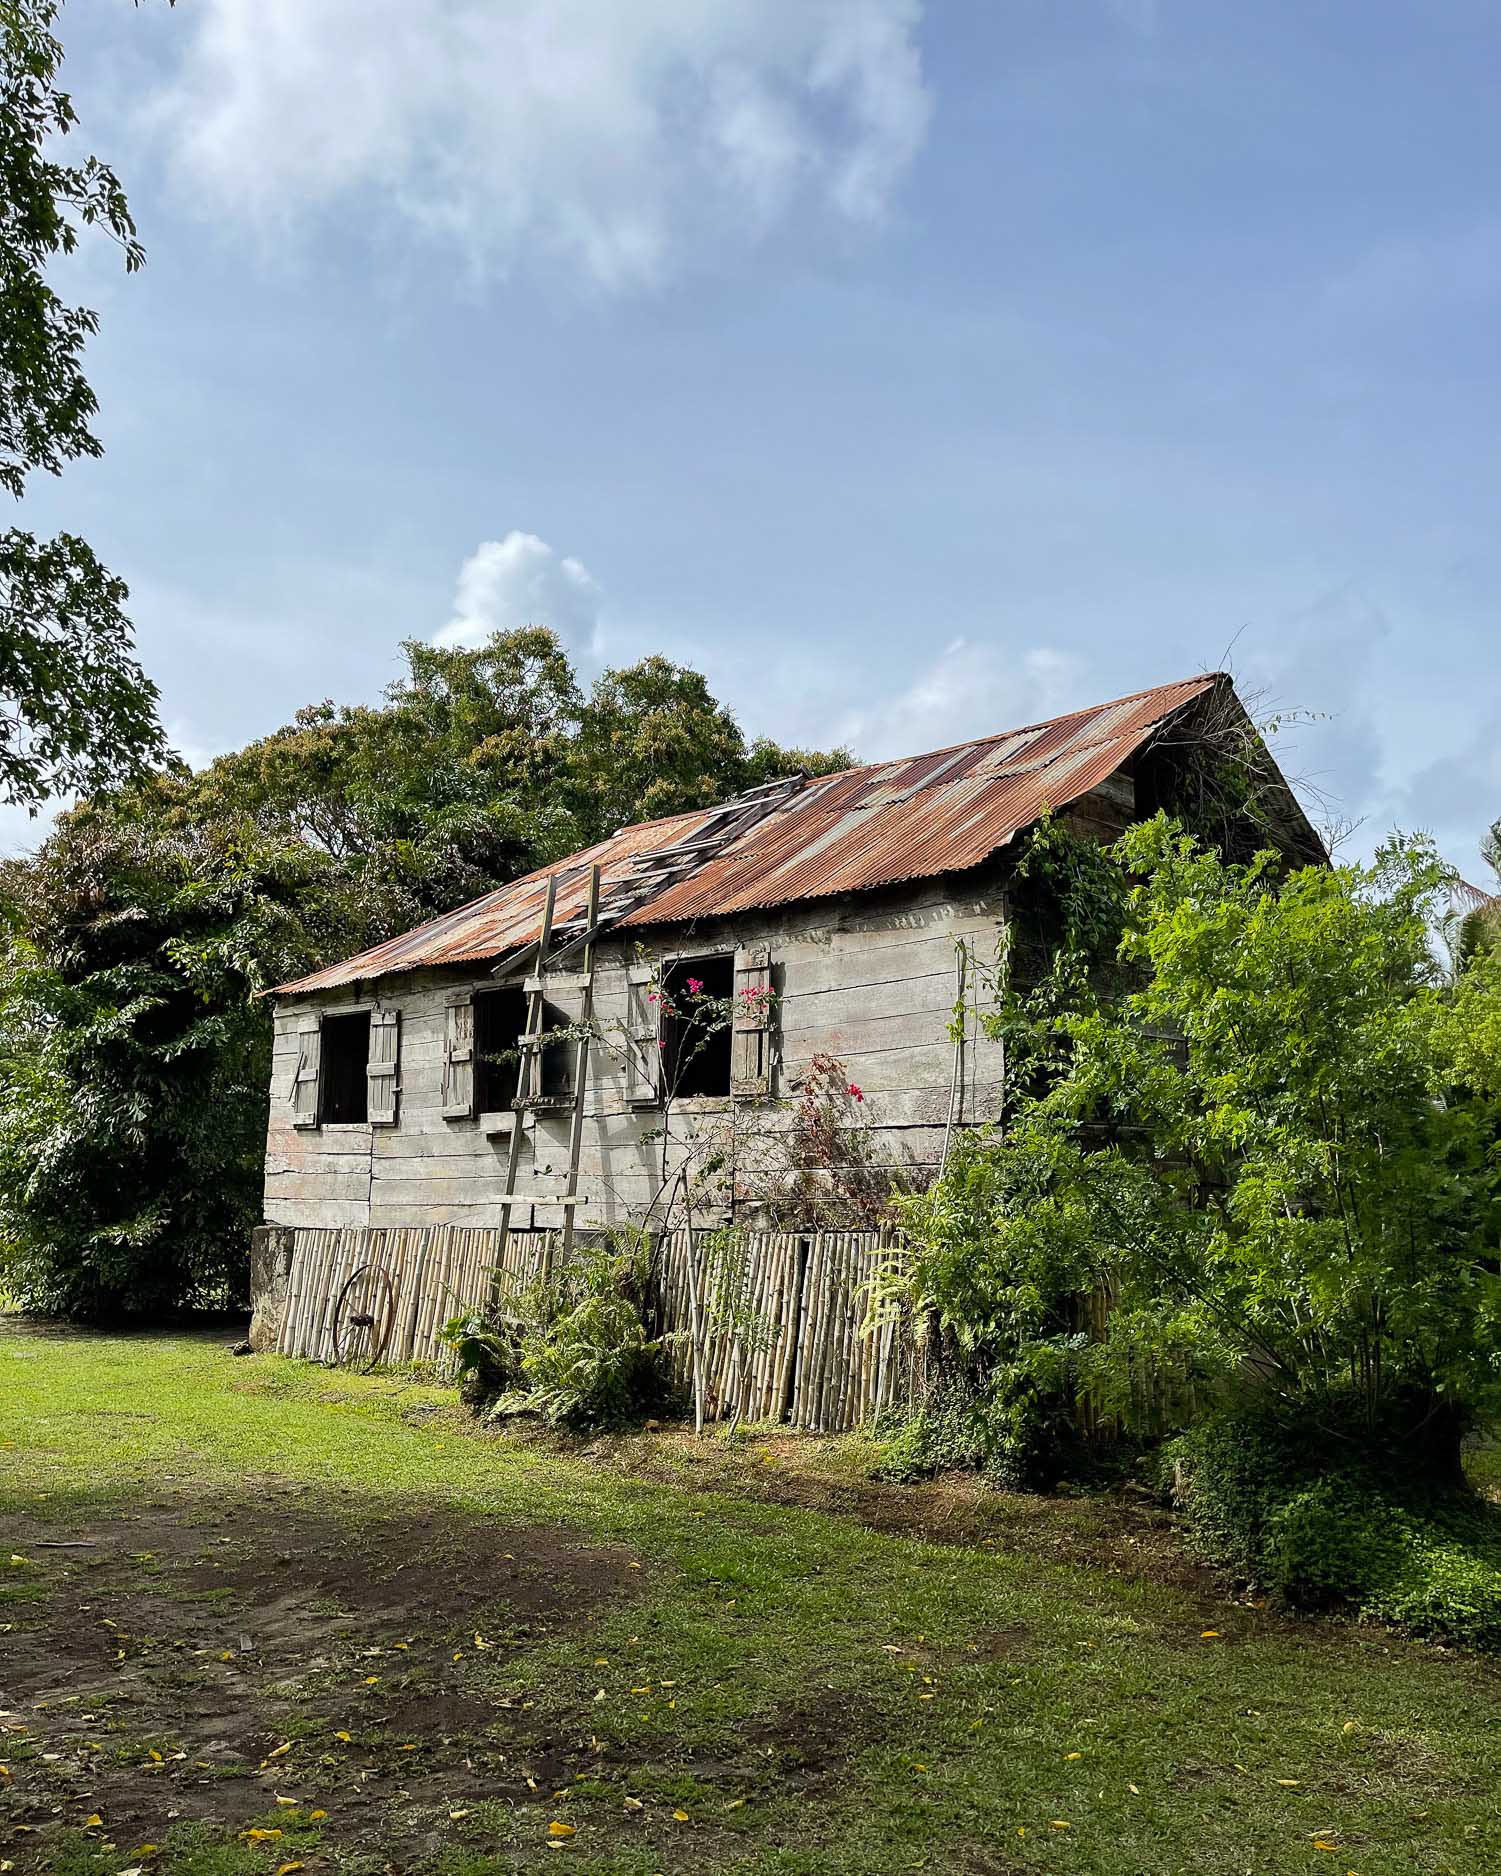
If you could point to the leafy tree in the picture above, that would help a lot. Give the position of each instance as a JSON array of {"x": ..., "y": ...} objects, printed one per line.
[
  {"x": 450, "y": 788},
  {"x": 133, "y": 1062},
  {"x": 1479, "y": 927},
  {"x": 1273, "y": 1155},
  {"x": 652, "y": 741},
  {"x": 76, "y": 710}
]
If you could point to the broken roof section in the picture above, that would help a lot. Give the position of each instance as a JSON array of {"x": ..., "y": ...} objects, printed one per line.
[{"x": 914, "y": 818}]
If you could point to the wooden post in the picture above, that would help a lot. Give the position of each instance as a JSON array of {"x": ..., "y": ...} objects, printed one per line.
[
  {"x": 956, "y": 1086},
  {"x": 530, "y": 1051},
  {"x": 580, "y": 1079}
]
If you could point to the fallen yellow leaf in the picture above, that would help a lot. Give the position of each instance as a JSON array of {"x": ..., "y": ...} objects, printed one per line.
[
  {"x": 93, "y": 1822},
  {"x": 1060, "y": 1823},
  {"x": 1210, "y": 1634},
  {"x": 1068, "y": 1757},
  {"x": 285, "y": 1869},
  {"x": 1290, "y": 1783},
  {"x": 258, "y": 1835},
  {"x": 681, "y": 1816},
  {"x": 343, "y": 1736},
  {"x": 277, "y": 1751},
  {"x": 559, "y": 1829},
  {"x": 315, "y": 1815}
]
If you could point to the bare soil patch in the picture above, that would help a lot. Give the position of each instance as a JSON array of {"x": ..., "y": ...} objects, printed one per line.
[{"x": 186, "y": 1662}]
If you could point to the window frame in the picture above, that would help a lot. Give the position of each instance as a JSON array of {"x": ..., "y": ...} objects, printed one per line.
[
  {"x": 722, "y": 958},
  {"x": 331, "y": 1018}
]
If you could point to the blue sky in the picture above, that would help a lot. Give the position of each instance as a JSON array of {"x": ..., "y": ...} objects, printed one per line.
[{"x": 914, "y": 370}]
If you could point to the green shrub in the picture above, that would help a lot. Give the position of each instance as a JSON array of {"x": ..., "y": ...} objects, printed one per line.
[
  {"x": 1447, "y": 1588},
  {"x": 578, "y": 1355},
  {"x": 591, "y": 1365},
  {"x": 1007, "y": 1434},
  {"x": 1318, "y": 1512},
  {"x": 1330, "y": 1544}
]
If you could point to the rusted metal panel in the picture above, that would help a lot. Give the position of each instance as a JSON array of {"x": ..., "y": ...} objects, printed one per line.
[
  {"x": 504, "y": 920},
  {"x": 913, "y": 818}
]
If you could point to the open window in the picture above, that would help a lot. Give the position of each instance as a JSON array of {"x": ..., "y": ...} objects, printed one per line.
[
  {"x": 344, "y": 1053},
  {"x": 696, "y": 1035},
  {"x": 499, "y": 1021},
  {"x": 555, "y": 1081}
]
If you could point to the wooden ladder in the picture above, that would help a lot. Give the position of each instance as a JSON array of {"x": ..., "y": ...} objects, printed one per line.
[{"x": 529, "y": 1071}]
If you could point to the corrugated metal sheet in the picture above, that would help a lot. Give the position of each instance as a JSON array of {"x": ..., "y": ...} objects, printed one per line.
[
  {"x": 511, "y": 916},
  {"x": 913, "y": 818}
]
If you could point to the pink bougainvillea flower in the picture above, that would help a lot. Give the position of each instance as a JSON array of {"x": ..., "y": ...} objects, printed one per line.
[
  {"x": 661, "y": 1045},
  {"x": 651, "y": 996},
  {"x": 856, "y": 1092},
  {"x": 695, "y": 984}
]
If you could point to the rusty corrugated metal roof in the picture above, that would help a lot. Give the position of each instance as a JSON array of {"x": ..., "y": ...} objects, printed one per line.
[{"x": 912, "y": 818}]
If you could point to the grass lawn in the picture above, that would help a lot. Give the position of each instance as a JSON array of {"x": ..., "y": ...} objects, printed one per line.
[{"x": 260, "y": 1617}]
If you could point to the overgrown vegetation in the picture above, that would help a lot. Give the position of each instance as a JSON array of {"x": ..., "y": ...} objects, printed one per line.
[
  {"x": 1329, "y": 1512},
  {"x": 1253, "y": 1156},
  {"x": 573, "y": 1349},
  {"x": 133, "y": 1056}
]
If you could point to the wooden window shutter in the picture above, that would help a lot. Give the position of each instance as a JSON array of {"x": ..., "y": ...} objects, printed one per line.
[
  {"x": 381, "y": 1065},
  {"x": 305, "y": 1084},
  {"x": 458, "y": 1057},
  {"x": 643, "y": 1058},
  {"x": 750, "y": 1044}
]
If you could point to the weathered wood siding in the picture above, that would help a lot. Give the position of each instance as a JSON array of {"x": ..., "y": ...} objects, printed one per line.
[{"x": 871, "y": 981}]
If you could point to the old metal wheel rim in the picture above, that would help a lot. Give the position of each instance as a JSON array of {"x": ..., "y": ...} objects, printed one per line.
[{"x": 364, "y": 1317}]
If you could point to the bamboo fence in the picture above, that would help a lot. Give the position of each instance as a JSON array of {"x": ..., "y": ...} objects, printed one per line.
[{"x": 786, "y": 1332}]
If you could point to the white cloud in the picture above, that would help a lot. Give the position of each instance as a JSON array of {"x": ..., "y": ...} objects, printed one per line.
[
  {"x": 970, "y": 690},
  {"x": 522, "y": 581},
  {"x": 605, "y": 135}
]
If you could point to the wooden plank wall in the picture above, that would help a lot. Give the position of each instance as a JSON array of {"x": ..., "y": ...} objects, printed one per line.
[
  {"x": 871, "y": 982},
  {"x": 802, "y": 1357}
]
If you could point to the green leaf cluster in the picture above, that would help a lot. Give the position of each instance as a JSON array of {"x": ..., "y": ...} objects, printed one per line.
[
  {"x": 574, "y": 1352},
  {"x": 76, "y": 710},
  {"x": 1272, "y": 1158}
]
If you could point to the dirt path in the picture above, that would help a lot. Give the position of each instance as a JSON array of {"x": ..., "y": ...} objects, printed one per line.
[{"x": 185, "y": 1663}]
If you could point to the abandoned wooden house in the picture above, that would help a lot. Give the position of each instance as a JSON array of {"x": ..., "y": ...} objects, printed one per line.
[{"x": 509, "y": 1065}]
